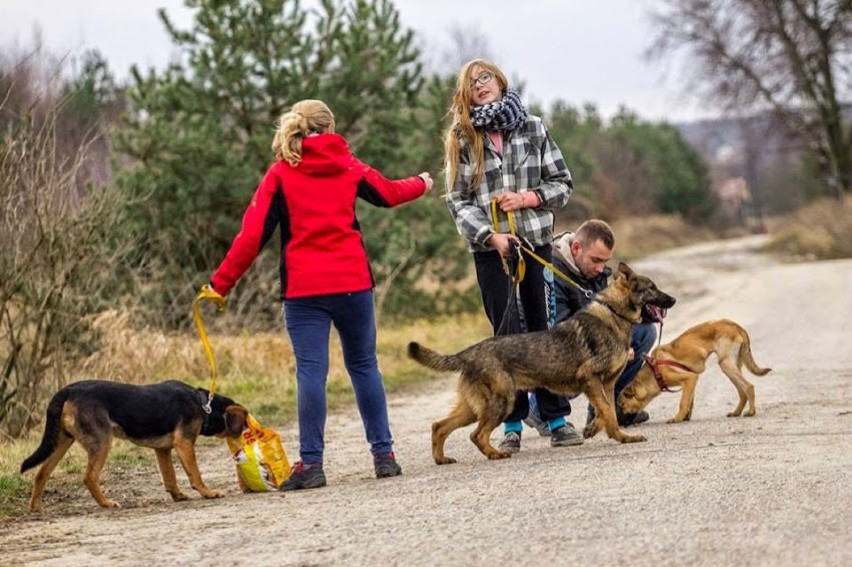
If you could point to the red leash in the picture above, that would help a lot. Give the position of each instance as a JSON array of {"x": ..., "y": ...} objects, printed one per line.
[{"x": 656, "y": 363}]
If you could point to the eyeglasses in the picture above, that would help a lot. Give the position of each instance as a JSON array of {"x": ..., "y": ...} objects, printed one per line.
[{"x": 483, "y": 79}]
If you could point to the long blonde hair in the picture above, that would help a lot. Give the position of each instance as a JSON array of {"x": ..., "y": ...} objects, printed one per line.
[
  {"x": 462, "y": 128},
  {"x": 304, "y": 118}
]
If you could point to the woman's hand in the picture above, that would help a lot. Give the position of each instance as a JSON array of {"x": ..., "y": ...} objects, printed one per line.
[
  {"x": 511, "y": 201},
  {"x": 503, "y": 243},
  {"x": 426, "y": 178}
]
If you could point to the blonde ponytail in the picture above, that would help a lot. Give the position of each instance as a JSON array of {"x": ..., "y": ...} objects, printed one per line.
[{"x": 304, "y": 118}]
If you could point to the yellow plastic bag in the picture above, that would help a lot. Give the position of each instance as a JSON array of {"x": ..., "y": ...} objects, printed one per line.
[{"x": 262, "y": 464}]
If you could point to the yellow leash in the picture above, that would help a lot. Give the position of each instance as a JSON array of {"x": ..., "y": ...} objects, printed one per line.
[
  {"x": 517, "y": 277},
  {"x": 521, "y": 263},
  {"x": 209, "y": 294}
]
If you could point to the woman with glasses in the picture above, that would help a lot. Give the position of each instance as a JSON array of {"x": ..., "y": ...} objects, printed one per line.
[{"x": 496, "y": 151}]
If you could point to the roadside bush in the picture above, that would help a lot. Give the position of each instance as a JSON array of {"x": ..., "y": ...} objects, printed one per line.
[
  {"x": 62, "y": 258},
  {"x": 820, "y": 231}
]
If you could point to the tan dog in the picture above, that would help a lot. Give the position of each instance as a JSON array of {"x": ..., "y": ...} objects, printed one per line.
[
  {"x": 681, "y": 362},
  {"x": 165, "y": 416}
]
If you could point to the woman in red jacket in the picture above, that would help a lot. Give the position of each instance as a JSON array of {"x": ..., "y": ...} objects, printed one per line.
[{"x": 310, "y": 193}]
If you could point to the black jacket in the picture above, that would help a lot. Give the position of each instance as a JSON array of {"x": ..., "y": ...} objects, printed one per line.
[{"x": 569, "y": 299}]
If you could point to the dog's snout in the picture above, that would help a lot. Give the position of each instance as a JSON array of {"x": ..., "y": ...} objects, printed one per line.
[{"x": 665, "y": 300}]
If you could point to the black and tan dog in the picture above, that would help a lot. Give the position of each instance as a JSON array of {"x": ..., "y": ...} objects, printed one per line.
[
  {"x": 585, "y": 353},
  {"x": 681, "y": 362},
  {"x": 164, "y": 416}
]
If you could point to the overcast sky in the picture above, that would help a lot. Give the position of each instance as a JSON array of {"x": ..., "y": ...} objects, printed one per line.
[{"x": 575, "y": 50}]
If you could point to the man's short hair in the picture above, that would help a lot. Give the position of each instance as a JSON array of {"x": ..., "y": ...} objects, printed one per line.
[{"x": 593, "y": 230}]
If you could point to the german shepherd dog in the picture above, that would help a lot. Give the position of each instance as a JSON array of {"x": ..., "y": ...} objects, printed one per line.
[
  {"x": 682, "y": 361},
  {"x": 164, "y": 416},
  {"x": 585, "y": 353}
]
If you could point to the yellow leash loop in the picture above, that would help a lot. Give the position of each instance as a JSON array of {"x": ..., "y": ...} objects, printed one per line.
[
  {"x": 209, "y": 294},
  {"x": 522, "y": 265}
]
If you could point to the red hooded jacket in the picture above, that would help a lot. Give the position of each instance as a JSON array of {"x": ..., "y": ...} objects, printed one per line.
[{"x": 322, "y": 251}]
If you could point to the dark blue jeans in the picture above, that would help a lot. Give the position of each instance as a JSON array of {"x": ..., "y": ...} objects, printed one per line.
[
  {"x": 309, "y": 323},
  {"x": 642, "y": 341}
]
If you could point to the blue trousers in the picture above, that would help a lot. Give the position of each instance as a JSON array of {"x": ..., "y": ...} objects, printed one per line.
[
  {"x": 642, "y": 340},
  {"x": 309, "y": 323}
]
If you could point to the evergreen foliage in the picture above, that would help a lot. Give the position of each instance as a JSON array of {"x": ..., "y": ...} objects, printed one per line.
[{"x": 199, "y": 133}]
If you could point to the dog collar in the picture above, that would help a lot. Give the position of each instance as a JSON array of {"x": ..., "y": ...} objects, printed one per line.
[
  {"x": 658, "y": 376},
  {"x": 616, "y": 313},
  {"x": 205, "y": 425}
]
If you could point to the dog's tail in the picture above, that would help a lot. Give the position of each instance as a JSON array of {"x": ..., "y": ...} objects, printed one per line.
[
  {"x": 51, "y": 432},
  {"x": 747, "y": 358},
  {"x": 432, "y": 359}
]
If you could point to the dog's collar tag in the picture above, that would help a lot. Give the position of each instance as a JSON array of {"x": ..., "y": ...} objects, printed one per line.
[{"x": 206, "y": 403}]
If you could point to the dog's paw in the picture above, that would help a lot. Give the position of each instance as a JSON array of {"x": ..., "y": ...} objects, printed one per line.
[
  {"x": 179, "y": 496},
  {"x": 590, "y": 431},
  {"x": 675, "y": 419},
  {"x": 110, "y": 504},
  {"x": 214, "y": 494},
  {"x": 497, "y": 455},
  {"x": 445, "y": 461},
  {"x": 633, "y": 439}
]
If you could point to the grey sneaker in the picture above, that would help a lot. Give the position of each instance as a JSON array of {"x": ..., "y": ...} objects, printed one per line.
[
  {"x": 538, "y": 424},
  {"x": 304, "y": 476},
  {"x": 386, "y": 465},
  {"x": 565, "y": 436},
  {"x": 511, "y": 443}
]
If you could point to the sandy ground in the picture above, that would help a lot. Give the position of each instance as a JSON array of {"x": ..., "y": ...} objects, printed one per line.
[{"x": 769, "y": 490}]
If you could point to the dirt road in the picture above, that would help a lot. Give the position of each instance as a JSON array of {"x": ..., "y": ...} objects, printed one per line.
[{"x": 775, "y": 489}]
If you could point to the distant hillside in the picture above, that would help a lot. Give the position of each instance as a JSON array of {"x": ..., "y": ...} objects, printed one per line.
[
  {"x": 721, "y": 139},
  {"x": 753, "y": 161}
]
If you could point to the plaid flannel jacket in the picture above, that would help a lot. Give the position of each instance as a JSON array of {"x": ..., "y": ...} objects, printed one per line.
[{"x": 531, "y": 161}]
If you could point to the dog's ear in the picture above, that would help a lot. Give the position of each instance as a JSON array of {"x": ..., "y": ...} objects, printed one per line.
[
  {"x": 236, "y": 420},
  {"x": 625, "y": 270}
]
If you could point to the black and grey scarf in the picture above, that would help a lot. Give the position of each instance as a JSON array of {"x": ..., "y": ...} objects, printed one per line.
[{"x": 506, "y": 114}]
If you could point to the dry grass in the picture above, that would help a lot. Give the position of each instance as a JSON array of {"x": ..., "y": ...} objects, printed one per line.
[
  {"x": 820, "y": 231},
  {"x": 258, "y": 369},
  {"x": 639, "y": 236}
]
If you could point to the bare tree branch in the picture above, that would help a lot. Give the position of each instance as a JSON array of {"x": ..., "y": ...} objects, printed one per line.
[{"x": 792, "y": 57}]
